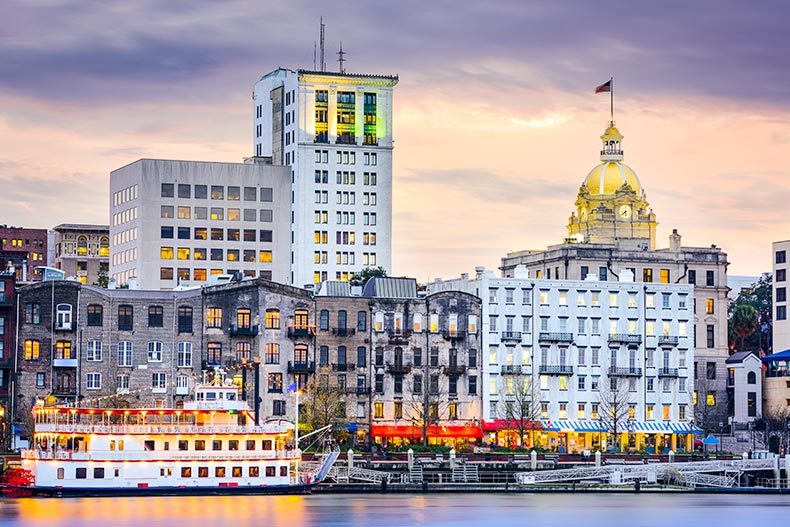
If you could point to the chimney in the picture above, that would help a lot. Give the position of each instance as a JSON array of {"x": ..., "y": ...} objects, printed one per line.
[
  {"x": 479, "y": 270},
  {"x": 674, "y": 241},
  {"x": 521, "y": 272}
]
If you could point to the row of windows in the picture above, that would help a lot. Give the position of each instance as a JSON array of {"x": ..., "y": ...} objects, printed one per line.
[
  {"x": 594, "y": 355},
  {"x": 125, "y": 216},
  {"x": 434, "y": 386},
  {"x": 346, "y": 178},
  {"x": 186, "y": 472},
  {"x": 122, "y": 196},
  {"x": 399, "y": 321},
  {"x": 615, "y": 325},
  {"x": 200, "y": 253},
  {"x": 664, "y": 275},
  {"x": 201, "y": 274},
  {"x": 216, "y": 213},
  {"x": 218, "y": 192},
  {"x": 594, "y": 298},
  {"x": 124, "y": 236},
  {"x": 203, "y": 233},
  {"x": 347, "y": 158},
  {"x": 397, "y": 410},
  {"x": 125, "y": 256}
]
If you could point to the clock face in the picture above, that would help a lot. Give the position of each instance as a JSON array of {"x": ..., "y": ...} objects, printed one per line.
[{"x": 625, "y": 211}]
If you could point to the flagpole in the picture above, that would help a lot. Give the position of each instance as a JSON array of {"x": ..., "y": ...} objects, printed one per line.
[
  {"x": 296, "y": 429},
  {"x": 611, "y": 99}
]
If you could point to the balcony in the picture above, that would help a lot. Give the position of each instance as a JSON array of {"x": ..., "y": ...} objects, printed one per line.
[
  {"x": 454, "y": 369},
  {"x": 625, "y": 338},
  {"x": 450, "y": 335},
  {"x": 359, "y": 390},
  {"x": 301, "y": 331},
  {"x": 668, "y": 340},
  {"x": 546, "y": 336},
  {"x": 344, "y": 367},
  {"x": 511, "y": 335},
  {"x": 182, "y": 390},
  {"x": 343, "y": 332},
  {"x": 398, "y": 368},
  {"x": 301, "y": 367},
  {"x": 64, "y": 363},
  {"x": 555, "y": 370},
  {"x": 511, "y": 369},
  {"x": 244, "y": 331},
  {"x": 64, "y": 391},
  {"x": 63, "y": 326},
  {"x": 614, "y": 371},
  {"x": 667, "y": 372},
  {"x": 399, "y": 336}
]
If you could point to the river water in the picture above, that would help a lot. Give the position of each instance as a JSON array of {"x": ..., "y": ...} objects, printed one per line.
[{"x": 403, "y": 510}]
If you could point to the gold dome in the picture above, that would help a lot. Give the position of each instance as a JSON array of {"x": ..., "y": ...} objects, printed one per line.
[{"x": 608, "y": 177}]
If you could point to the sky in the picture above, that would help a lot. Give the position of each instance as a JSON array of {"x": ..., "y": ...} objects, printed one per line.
[{"x": 496, "y": 124}]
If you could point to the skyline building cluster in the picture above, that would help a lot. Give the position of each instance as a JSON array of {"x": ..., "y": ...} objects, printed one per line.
[{"x": 230, "y": 264}]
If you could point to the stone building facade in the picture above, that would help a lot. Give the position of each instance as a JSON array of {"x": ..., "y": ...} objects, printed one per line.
[
  {"x": 612, "y": 229},
  {"x": 83, "y": 251},
  {"x": 343, "y": 350},
  {"x": 24, "y": 250}
]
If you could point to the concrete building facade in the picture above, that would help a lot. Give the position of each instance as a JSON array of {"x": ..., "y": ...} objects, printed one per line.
[
  {"x": 612, "y": 230},
  {"x": 569, "y": 345},
  {"x": 82, "y": 251},
  {"x": 180, "y": 222},
  {"x": 334, "y": 132}
]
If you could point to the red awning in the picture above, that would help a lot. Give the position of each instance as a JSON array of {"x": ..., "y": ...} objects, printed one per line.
[
  {"x": 509, "y": 424},
  {"x": 448, "y": 431}
]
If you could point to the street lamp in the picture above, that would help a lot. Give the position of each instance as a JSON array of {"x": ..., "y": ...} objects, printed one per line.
[{"x": 721, "y": 434}]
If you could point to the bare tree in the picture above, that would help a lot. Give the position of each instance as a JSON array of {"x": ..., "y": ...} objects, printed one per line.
[
  {"x": 708, "y": 416},
  {"x": 521, "y": 407},
  {"x": 613, "y": 407},
  {"x": 773, "y": 429},
  {"x": 325, "y": 403},
  {"x": 429, "y": 401}
]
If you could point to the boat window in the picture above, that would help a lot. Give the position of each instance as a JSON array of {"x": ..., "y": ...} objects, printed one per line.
[
  {"x": 216, "y": 444},
  {"x": 283, "y": 471},
  {"x": 61, "y": 473},
  {"x": 200, "y": 444},
  {"x": 149, "y": 445},
  {"x": 250, "y": 444},
  {"x": 236, "y": 472},
  {"x": 266, "y": 444},
  {"x": 120, "y": 444},
  {"x": 186, "y": 472},
  {"x": 167, "y": 445},
  {"x": 112, "y": 444},
  {"x": 202, "y": 472},
  {"x": 231, "y": 396},
  {"x": 211, "y": 396},
  {"x": 233, "y": 444},
  {"x": 270, "y": 472},
  {"x": 183, "y": 444},
  {"x": 82, "y": 473},
  {"x": 98, "y": 472},
  {"x": 117, "y": 472},
  {"x": 219, "y": 472}
]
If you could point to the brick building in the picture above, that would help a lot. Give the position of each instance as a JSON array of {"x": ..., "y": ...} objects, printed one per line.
[
  {"x": 7, "y": 309},
  {"x": 25, "y": 249}
]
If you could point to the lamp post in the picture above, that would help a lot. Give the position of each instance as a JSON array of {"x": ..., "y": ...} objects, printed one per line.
[{"x": 721, "y": 435}]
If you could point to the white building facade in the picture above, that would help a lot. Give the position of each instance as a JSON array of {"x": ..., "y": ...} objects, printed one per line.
[
  {"x": 180, "y": 222},
  {"x": 569, "y": 342},
  {"x": 334, "y": 132}
]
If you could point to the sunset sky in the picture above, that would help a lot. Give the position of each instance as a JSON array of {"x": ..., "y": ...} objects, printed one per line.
[{"x": 496, "y": 124}]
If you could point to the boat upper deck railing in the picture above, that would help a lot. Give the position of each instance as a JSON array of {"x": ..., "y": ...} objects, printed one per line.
[
  {"x": 86, "y": 428},
  {"x": 161, "y": 455}
]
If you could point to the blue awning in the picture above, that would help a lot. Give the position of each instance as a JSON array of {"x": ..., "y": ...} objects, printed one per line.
[
  {"x": 639, "y": 427},
  {"x": 782, "y": 356}
]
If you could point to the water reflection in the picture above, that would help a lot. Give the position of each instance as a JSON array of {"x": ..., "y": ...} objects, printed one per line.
[{"x": 611, "y": 510}]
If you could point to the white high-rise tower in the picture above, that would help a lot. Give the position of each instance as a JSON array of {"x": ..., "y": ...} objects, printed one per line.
[{"x": 334, "y": 130}]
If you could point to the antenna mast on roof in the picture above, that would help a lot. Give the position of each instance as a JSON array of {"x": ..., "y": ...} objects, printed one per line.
[
  {"x": 341, "y": 58},
  {"x": 323, "y": 31},
  {"x": 315, "y": 48}
]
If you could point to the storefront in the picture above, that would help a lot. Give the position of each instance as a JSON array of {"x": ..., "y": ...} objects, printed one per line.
[
  {"x": 455, "y": 435},
  {"x": 567, "y": 436}
]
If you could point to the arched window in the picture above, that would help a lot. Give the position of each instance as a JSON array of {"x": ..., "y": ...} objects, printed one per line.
[
  {"x": 82, "y": 246},
  {"x": 104, "y": 247},
  {"x": 751, "y": 378},
  {"x": 63, "y": 317}
]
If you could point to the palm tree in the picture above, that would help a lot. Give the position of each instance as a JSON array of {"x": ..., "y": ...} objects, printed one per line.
[{"x": 743, "y": 322}]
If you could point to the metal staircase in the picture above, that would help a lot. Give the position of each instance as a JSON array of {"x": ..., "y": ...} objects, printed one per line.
[
  {"x": 415, "y": 474},
  {"x": 342, "y": 474},
  {"x": 465, "y": 473}
]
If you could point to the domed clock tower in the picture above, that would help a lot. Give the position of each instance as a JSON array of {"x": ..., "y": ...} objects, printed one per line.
[{"x": 611, "y": 207}]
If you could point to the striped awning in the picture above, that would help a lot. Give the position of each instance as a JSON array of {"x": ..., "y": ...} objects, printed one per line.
[{"x": 639, "y": 427}]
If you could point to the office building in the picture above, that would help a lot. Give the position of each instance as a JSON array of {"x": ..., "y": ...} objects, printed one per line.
[
  {"x": 82, "y": 251},
  {"x": 180, "y": 222},
  {"x": 334, "y": 132}
]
